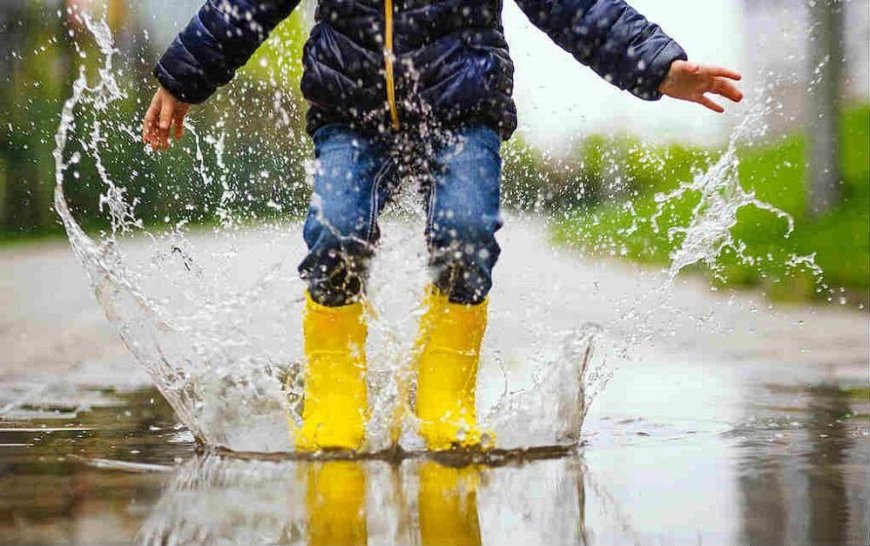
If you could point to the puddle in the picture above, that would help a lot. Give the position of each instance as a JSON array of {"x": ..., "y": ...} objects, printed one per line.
[{"x": 672, "y": 454}]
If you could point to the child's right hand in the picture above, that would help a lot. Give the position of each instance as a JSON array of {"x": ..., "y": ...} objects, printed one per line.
[{"x": 162, "y": 113}]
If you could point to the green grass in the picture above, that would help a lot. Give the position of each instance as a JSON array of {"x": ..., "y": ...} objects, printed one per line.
[
  {"x": 860, "y": 394},
  {"x": 20, "y": 238},
  {"x": 775, "y": 171}
]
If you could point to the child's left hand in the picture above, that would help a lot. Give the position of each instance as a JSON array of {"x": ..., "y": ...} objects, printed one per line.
[{"x": 690, "y": 81}]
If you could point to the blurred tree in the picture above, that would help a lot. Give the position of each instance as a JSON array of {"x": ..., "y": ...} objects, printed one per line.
[
  {"x": 826, "y": 69},
  {"x": 35, "y": 79},
  {"x": 279, "y": 59},
  {"x": 42, "y": 45}
]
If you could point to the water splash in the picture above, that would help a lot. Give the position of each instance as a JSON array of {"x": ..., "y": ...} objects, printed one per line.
[
  {"x": 720, "y": 197},
  {"x": 215, "y": 316}
]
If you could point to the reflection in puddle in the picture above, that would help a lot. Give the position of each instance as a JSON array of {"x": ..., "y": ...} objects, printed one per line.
[
  {"x": 56, "y": 484},
  {"x": 214, "y": 500},
  {"x": 803, "y": 485},
  {"x": 447, "y": 504},
  {"x": 763, "y": 462}
]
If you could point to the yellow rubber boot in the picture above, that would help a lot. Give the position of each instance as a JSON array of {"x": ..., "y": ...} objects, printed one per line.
[
  {"x": 447, "y": 504},
  {"x": 448, "y": 353},
  {"x": 335, "y": 504},
  {"x": 335, "y": 405}
]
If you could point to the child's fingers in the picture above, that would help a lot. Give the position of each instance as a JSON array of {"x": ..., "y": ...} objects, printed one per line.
[
  {"x": 705, "y": 101},
  {"x": 146, "y": 130},
  {"x": 167, "y": 111},
  {"x": 727, "y": 89},
  {"x": 152, "y": 135},
  {"x": 146, "y": 125},
  {"x": 720, "y": 72},
  {"x": 149, "y": 122},
  {"x": 179, "y": 125}
]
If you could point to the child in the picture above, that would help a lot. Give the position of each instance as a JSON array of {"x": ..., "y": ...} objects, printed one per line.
[{"x": 418, "y": 87}]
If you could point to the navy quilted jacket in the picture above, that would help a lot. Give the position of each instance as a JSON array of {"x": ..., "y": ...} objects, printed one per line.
[{"x": 383, "y": 65}]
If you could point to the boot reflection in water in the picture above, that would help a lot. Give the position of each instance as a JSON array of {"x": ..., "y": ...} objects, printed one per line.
[
  {"x": 447, "y": 505},
  {"x": 335, "y": 501}
]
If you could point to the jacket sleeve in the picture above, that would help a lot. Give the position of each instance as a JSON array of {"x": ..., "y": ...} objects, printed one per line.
[
  {"x": 219, "y": 39},
  {"x": 610, "y": 37}
]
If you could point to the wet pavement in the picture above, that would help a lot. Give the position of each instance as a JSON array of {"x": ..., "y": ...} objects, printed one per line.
[{"x": 752, "y": 431}]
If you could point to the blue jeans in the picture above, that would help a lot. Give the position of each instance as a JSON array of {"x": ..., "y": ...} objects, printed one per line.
[{"x": 354, "y": 175}]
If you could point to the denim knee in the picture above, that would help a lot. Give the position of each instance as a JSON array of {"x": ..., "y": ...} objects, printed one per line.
[
  {"x": 336, "y": 264},
  {"x": 463, "y": 253}
]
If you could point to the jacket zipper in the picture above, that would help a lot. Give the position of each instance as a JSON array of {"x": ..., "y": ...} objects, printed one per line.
[{"x": 388, "y": 64}]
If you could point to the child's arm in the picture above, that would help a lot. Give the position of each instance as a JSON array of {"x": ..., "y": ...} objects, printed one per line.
[
  {"x": 219, "y": 39},
  {"x": 627, "y": 50}
]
